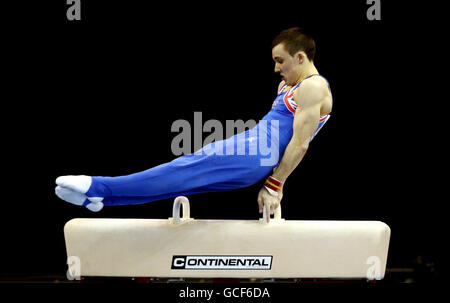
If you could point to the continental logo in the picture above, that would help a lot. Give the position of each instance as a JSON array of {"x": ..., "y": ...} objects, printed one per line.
[{"x": 222, "y": 262}]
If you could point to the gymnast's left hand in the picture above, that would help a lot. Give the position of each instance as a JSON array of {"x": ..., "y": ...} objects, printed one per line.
[{"x": 264, "y": 198}]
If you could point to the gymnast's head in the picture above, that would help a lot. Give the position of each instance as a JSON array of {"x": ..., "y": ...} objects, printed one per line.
[{"x": 293, "y": 51}]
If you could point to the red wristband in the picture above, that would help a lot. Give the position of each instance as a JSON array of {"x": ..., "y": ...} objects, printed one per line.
[{"x": 273, "y": 185}]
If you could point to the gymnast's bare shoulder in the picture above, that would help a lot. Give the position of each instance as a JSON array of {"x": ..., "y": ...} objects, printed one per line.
[{"x": 317, "y": 86}]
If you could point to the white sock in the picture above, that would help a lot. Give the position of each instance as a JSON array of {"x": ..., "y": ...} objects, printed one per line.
[
  {"x": 95, "y": 207},
  {"x": 77, "y": 198},
  {"x": 79, "y": 184},
  {"x": 70, "y": 195}
]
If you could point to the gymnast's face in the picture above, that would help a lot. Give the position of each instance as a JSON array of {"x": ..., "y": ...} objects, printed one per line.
[{"x": 288, "y": 66}]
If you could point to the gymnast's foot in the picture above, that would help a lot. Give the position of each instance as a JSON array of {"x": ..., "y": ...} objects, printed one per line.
[
  {"x": 79, "y": 184},
  {"x": 93, "y": 204}
]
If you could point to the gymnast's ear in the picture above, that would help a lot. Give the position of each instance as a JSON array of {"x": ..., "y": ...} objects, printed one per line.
[{"x": 301, "y": 57}]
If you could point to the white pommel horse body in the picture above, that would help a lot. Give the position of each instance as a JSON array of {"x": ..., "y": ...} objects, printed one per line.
[{"x": 265, "y": 248}]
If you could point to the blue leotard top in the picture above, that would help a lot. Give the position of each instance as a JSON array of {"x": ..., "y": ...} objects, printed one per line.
[{"x": 283, "y": 111}]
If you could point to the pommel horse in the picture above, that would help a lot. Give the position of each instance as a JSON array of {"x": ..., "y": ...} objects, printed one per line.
[{"x": 184, "y": 247}]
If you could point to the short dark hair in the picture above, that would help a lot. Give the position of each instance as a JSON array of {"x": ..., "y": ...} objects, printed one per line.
[{"x": 296, "y": 39}]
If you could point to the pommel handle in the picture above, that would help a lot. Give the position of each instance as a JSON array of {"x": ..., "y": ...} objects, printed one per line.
[
  {"x": 181, "y": 200},
  {"x": 266, "y": 214}
]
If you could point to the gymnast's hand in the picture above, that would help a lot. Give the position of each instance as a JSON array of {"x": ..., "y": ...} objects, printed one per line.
[{"x": 264, "y": 198}]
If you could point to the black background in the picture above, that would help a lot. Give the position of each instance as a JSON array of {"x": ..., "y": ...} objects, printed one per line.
[{"x": 99, "y": 96}]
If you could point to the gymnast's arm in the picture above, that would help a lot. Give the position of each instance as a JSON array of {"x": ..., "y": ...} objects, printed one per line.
[
  {"x": 309, "y": 99},
  {"x": 306, "y": 120}
]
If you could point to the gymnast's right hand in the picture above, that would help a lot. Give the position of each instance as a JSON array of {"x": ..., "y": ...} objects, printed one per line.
[
  {"x": 70, "y": 189},
  {"x": 266, "y": 199}
]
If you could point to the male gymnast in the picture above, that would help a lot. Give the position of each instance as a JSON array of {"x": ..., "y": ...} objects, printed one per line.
[{"x": 300, "y": 110}]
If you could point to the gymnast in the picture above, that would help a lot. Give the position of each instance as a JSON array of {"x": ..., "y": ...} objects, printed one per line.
[{"x": 300, "y": 110}]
